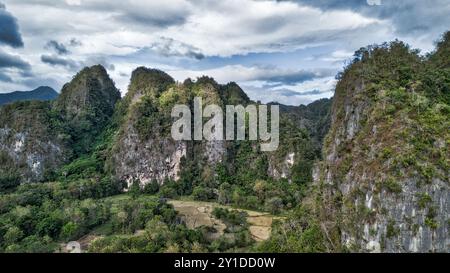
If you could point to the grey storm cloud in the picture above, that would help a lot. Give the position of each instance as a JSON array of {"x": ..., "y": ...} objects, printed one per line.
[
  {"x": 59, "y": 61},
  {"x": 169, "y": 47},
  {"x": 135, "y": 13},
  {"x": 144, "y": 19},
  {"x": 15, "y": 65},
  {"x": 408, "y": 16},
  {"x": 143, "y": 13},
  {"x": 291, "y": 93},
  {"x": 414, "y": 17},
  {"x": 284, "y": 96},
  {"x": 293, "y": 77},
  {"x": 332, "y": 4},
  {"x": 74, "y": 42},
  {"x": 4, "y": 77},
  {"x": 9, "y": 29},
  {"x": 73, "y": 65},
  {"x": 12, "y": 61},
  {"x": 149, "y": 14},
  {"x": 59, "y": 48}
]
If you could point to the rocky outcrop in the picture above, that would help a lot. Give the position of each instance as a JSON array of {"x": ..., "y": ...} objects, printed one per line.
[
  {"x": 36, "y": 138},
  {"x": 282, "y": 169},
  {"x": 90, "y": 90},
  {"x": 86, "y": 105},
  {"x": 385, "y": 168},
  {"x": 144, "y": 150},
  {"x": 30, "y": 145},
  {"x": 153, "y": 159}
]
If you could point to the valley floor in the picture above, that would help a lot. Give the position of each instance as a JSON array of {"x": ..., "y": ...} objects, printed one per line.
[{"x": 194, "y": 214}]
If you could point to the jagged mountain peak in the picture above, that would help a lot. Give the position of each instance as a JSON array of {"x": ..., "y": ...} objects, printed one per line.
[
  {"x": 92, "y": 85},
  {"x": 203, "y": 80},
  {"x": 87, "y": 103},
  {"x": 148, "y": 81},
  {"x": 233, "y": 94}
]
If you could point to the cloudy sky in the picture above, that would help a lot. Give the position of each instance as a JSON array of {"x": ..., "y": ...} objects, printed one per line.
[{"x": 286, "y": 51}]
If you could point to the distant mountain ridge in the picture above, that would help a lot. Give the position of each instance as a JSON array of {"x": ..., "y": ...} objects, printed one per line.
[{"x": 40, "y": 93}]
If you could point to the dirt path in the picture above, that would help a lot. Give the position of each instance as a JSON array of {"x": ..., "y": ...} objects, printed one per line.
[{"x": 198, "y": 214}]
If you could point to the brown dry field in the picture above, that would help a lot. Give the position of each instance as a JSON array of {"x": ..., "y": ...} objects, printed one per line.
[{"x": 200, "y": 214}]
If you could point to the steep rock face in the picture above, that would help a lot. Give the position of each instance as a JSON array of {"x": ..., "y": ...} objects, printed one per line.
[
  {"x": 385, "y": 167},
  {"x": 303, "y": 130},
  {"x": 91, "y": 89},
  {"x": 36, "y": 138},
  {"x": 279, "y": 170},
  {"x": 152, "y": 159},
  {"x": 212, "y": 152},
  {"x": 86, "y": 105},
  {"x": 30, "y": 146},
  {"x": 145, "y": 150}
]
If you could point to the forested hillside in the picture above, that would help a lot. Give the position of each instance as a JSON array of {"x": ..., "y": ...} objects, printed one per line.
[
  {"x": 62, "y": 160},
  {"x": 383, "y": 184}
]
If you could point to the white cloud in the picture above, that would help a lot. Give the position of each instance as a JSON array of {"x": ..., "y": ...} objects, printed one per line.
[
  {"x": 118, "y": 32},
  {"x": 338, "y": 56},
  {"x": 240, "y": 27},
  {"x": 221, "y": 29}
]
